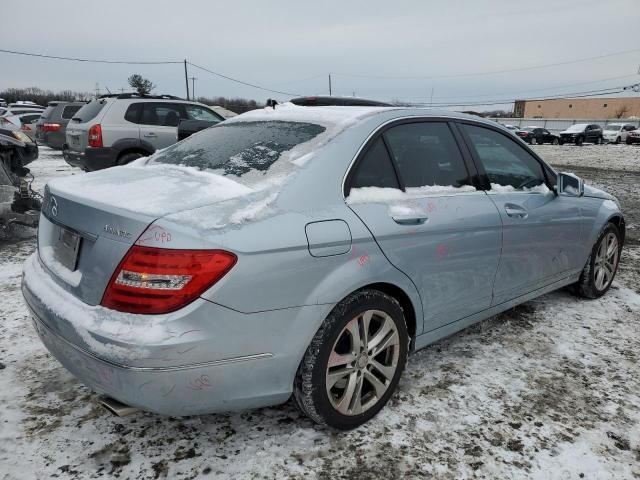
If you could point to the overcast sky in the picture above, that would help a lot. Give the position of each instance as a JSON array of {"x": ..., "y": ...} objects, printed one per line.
[{"x": 377, "y": 49}]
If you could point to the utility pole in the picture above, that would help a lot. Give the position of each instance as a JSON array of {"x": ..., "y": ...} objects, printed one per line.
[
  {"x": 431, "y": 99},
  {"x": 329, "y": 84},
  {"x": 97, "y": 89},
  {"x": 193, "y": 87},
  {"x": 186, "y": 77}
]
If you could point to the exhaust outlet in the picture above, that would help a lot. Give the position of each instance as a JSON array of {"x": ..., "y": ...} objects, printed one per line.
[{"x": 115, "y": 407}]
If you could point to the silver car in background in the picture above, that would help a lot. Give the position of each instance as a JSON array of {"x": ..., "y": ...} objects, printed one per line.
[{"x": 304, "y": 251}]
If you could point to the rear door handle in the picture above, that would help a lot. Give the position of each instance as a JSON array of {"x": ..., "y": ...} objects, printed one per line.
[
  {"x": 150, "y": 135},
  {"x": 515, "y": 211},
  {"x": 409, "y": 220}
]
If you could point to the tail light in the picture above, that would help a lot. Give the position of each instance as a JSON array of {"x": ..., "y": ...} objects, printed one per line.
[
  {"x": 159, "y": 280},
  {"x": 95, "y": 136},
  {"x": 50, "y": 127}
]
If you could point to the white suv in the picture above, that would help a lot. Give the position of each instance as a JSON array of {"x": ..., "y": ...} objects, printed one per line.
[{"x": 117, "y": 129}]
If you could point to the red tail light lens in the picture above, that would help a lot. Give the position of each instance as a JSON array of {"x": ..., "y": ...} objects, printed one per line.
[
  {"x": 50, "y": 127},
  {"x": 159, "y": 280},
  {"x": 95, "y": 136}
]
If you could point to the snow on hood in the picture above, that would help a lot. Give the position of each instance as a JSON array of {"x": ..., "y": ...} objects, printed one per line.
[{"x": 154, "y": 190}]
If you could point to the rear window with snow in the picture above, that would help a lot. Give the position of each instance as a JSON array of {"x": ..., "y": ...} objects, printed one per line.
[{"x": 239, "y": 148}]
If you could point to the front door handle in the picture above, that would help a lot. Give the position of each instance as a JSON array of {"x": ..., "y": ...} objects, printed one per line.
[
  {"x": 409, "y": 220},
  {"x": 515, "y": 211},
  {"x": 150, "y": 135}
]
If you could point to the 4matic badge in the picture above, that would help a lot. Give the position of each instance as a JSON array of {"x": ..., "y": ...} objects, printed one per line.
[{"x": 110, "y": 229}]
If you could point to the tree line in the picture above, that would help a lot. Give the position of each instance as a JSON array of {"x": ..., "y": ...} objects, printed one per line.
[{"x": 43, "y": 97}]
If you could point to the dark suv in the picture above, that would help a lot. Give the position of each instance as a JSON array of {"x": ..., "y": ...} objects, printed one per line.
[
  {"x": 52, "y": 126},
  {"x": 537, "y": 135},
  {"x": 582, "y": 132}
]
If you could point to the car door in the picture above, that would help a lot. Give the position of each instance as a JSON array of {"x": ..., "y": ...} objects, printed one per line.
[
  {"x": 540, "y": 229},
  {"x": 547, "y": 135},
  {"x": 428, "y": 219},
  {"x": 159, "y": 123}
]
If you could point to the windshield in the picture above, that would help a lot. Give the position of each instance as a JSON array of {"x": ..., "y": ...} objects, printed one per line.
[
  {"x": 577, "y": 128},
  {"x": 241, "y": 149},
  {"x": 613, "y": 126}
]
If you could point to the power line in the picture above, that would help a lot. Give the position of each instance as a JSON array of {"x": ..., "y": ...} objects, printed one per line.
[
  {"x": 243, "y": 82},
  {"x": 588, "y": 93},
  {"x": 494, "y": 72},
  {"x": 89, "y": 60}
]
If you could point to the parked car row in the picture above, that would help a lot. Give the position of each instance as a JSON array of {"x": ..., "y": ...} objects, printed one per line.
[
  {"x": 117, "y": 129},
  {"x": 578, "y": 134}
]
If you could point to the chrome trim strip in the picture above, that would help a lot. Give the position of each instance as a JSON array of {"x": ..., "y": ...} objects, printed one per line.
[{"x": 214, "y": 363}]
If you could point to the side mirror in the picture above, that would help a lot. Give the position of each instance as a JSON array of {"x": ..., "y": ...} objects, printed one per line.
[{"x": 569, "y": 185}]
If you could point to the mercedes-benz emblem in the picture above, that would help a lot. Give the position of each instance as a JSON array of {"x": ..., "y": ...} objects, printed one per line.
[{"x": 54, "y": 206}]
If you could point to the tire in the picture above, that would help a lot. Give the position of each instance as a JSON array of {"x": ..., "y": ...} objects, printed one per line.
[
  {"x": 617, "y": 140},
  {"x": 128, "y": 157},
  {"x": 579, "y": 140},
  {"x": 555, "y": 141},
  {"x": 326, "y": 400},
  {"x": 533, "y": 141},
  {"x": 592, "y": 283},
  {"x": 628, "y": 141},
  {"x": 599, "y": 141}
]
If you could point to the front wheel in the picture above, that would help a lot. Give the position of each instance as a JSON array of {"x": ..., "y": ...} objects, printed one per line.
[
  {"x": 555, "y": 141},
  {"x": 128, "y": 158},
  {"x": 533, "y": 141},
  {"x": 628, "y": 141},
  {"x": 601, "y": 268},
  {"x": 354, "y": 362},
  {"x": 579, "y": 141},
  {"x": 617, "y": 140}
]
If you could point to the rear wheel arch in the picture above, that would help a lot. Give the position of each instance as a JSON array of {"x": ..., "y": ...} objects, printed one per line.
[
  {"x": 402, "y": 298},
  {"x": 128, "y": 151}
]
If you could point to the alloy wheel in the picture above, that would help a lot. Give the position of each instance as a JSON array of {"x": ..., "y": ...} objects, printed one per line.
[
  {"x": 606, "y": 261},
  {"x": 363, "y": 362}
]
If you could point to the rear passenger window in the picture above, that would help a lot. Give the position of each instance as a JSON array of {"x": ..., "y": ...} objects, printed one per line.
[
  {"x": 427, "y": 155},
  {"x": 133, "y": 113},
  {"x": 163, "y": 114},
  {"x": 69, "y": 111},
  {"x": 505, "y": 162},
  {"x": 375, "y": 169}
]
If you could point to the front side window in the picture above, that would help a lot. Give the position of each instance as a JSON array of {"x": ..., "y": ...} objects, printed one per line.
[
  {"x": 506, "y": 163},
  {"x": 427, "y": 154},
  {"x": 196, "y": 112}
]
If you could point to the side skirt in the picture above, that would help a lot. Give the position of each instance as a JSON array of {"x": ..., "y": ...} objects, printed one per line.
[{"x": 439, "y": 333}]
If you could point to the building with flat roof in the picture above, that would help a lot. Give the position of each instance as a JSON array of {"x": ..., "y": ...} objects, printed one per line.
[{"x": 601, "y": 107}]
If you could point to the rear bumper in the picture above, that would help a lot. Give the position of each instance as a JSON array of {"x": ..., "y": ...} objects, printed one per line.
[
  {"x": 91, "y": 159},
  {"x": 204, "y": 358}
]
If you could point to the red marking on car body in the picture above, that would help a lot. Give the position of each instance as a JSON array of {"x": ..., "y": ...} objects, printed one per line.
[
  {"x": 154, "y": 234},
  {"x": 363, "y": 260},
  {"x": 200, "y": 383},
  {"x": 441, "y": 250}
]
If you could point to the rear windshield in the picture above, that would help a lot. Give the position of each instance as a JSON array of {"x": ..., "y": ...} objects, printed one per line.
[
  {"x": 69, "y": 111},
  {"x": 90, "y": 110},
  {"x": 577, "y": 128},
  {"x": 47, "y": 111},
  {"x": 239, "y": 148}
]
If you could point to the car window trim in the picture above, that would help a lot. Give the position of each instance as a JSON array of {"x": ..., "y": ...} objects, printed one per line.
[
  {"x": 380, "y": 130},
  {"x": 547, "y": 171}
]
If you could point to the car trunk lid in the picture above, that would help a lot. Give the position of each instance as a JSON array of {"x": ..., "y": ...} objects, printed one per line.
[{"x": 90, "y": 221}]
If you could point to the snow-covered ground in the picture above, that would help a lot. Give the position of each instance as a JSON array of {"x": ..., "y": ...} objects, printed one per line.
[{"x": 549, "y": 390}]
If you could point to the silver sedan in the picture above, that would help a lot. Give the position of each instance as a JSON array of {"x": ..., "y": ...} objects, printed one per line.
[{"x": 304, "y": 251}]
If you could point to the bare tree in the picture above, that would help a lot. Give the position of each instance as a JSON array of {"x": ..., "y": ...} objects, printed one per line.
[
  {"x": 141, "y": 85},
  {"x": 622, "y": 111}
]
